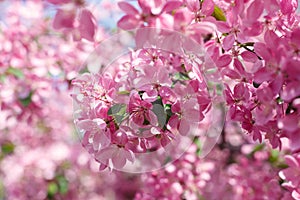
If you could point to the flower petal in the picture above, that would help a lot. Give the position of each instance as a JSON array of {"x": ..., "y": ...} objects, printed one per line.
[
  {"x": 128, "y": 8},
  {"x": 128, "y": 22},
  {"x": 87, "y": 26}
]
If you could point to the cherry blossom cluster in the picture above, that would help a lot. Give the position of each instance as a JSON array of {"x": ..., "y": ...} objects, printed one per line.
[
  {"x": 140, "y": 107},
  {"x": 40, "y": 156},
  {"x": 255, "y": 46},
  {"x": 150, "y": 100},
  {"x": 256, "y": 49},
  {"x": 36, "y": 63},
  {"x": 73, "y": 18},
  {"x": 215, "y": 176}
]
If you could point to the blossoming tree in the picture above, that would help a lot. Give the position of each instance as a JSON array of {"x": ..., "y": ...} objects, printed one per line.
[{"x": 202, "y": 96}]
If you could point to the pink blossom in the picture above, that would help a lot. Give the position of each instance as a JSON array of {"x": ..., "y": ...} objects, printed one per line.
[
  {"x": 186, "y": 116},
  {"x": 140, "y": 110},
  {"x": 291, "y": 175}
]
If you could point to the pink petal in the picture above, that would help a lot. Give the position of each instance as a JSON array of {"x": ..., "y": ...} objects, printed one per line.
[
  {"x": 262, "y": 51},
  {"x": 193, "y": 5},
  {"x": 262, "y": 75},
  {"x": 128, "y": 154},
  {"x": 167, "y": 94},
  {"x": 296, "y": 195},
  {"x": 228, "y": 42},
  {"x": 275, "y": 142},
  {"x": 289, "y": 123},
  {"x": 96, "y": 141},
  {"x": 223, "y": 27},
  {"x": 63, "y": 19},
  {"x": 119, "y": 160},
  {"x": 165, "y": 140},
  {"x": 103, "y": 166},
  {"x": 153, "y": 119},
  {"x": 257, "y": 135},
  {"x": 295, "y": 37},
  {"x": 182, "y": 19},
  {"x": 150, "y": 95},
  {"x": 239, "y": 66},
  {"x": 224, "y": 61},
  {"x": 100, "y": 123},
  {"x": 276, "y": 85},
  {"x": 121, "y": 137},
  {"x": 208, "y": 7},
  {"x": 86, "y": 139},
  {"x": 271, "y": 39},
  {"x": 192, "y": 115},
  {"x": 128, "y": 8},
  {"x": 255, "y": 10},
  {"x": 292, "y": 69},
  {"x": 295, "y": 142},
  {"x": 231, "y": 73},
  {"x": 265, "y": 95},
  {"x": 291, "y": 91},
  {"x": 171, "y": 5},
  {"x": 271, "y": 5},
  {"x": 90, "y": 125},
  {"x": 87, "y": 26},
  {"x": 184, "y": 127},
  {"x": 145, "y": 7},
  {"x": 176, "y": 107},
  {"x": 128, "y": 22},
  {"x": 291, "y": 161},
  {"x": 288, "y": 6},
  {"x": 240, "y": 90},
  {"x": 154, "y": 5},
  {"x": 107, "y": 153},
  {"x": 138, "y": 118},
  {"x": 249, "y": 56},
  {"x": 202, "y": 28},
  {"x": 173, "y": 123},
  {"x": 58, "y": 2},
  {"x": 238, "y": 8}
]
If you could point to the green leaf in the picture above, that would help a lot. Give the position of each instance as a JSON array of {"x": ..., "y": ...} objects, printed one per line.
[
  {"x": 181, "y": 76},
  {"x": 63, "y": 184},
  {"x": 84, "y": 70},
  {"x": 167, "y": 160},
  {"x": 52, "y": 189},
  {"x": 219, "y": 14},
  {"x": 118, "y": 112},
  {"x": 274, "y": 156},
  {"x": 2, "y": 78},
  {"x": 8, "y": 148},
  {"x": 2, "y": 190},
  {"x": 159, "y": 111},
  {"x": 168, "y": 110},
  {"x": 16, "y": 72},
  {"x": 27, "y": 100},
  {"x": 198, "y": 144},
  {"x": 219, "y": 89},
  {"x": 279, "y": 100},
  {"x": 257, "y": 148},
  {"x": 125, "y": 92}
]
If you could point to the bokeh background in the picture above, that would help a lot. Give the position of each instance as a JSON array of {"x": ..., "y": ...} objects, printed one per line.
[{"x": 41, "y": 156}]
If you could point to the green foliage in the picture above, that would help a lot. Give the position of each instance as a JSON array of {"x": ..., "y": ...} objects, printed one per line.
[
  {"x": 219, "y": 14},
  {"x": 118, "y": 112},
  {"x": 198, "y": 144},
  {"x": 59, "y": 185},
  {"x": 16, "y": 72},
  {"x": 52, "y": 189},
  {"x": 7, "y": 148},
  {"x": 27, "y": 100}
]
